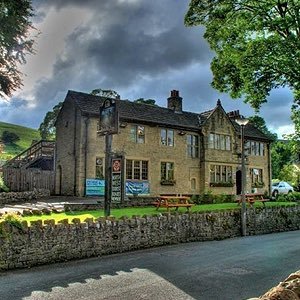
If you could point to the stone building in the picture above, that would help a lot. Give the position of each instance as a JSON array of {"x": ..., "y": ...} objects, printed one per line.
[{"x": 165, "y": 150}]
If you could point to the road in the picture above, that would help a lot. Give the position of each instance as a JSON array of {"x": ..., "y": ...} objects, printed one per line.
[{"x": 237, "y": 268}]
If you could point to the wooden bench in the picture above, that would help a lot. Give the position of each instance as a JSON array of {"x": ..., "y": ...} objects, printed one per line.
[
  {"x": 252, "y": 198},
  {"x": 172, "y": 201}
]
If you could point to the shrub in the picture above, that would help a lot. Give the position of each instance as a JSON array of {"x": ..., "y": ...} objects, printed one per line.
[
  {"x": 3, "y": 187},
  {"x": 12, "y": 219},
  {"x": 9, "y": 137},
  {"x": 290, "y": 197}
]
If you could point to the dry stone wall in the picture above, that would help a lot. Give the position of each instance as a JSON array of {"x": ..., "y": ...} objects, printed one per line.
[
  {"x": 49, "y": 243},
  {"x": 14, "y": 197}
]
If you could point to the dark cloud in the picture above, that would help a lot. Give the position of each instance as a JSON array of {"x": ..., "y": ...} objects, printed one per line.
[{"x": 140, "y": 49}]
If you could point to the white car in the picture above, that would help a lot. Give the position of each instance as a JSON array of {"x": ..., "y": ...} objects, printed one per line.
[{"x": 281, "y": 187}]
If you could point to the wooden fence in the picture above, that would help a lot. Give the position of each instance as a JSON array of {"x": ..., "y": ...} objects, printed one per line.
[{"x": 20, "y": 180}]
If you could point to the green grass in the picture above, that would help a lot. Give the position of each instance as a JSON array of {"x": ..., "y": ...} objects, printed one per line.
[
  {"x": 140, "y": 211},
  {"x": 26, "y": 136}
]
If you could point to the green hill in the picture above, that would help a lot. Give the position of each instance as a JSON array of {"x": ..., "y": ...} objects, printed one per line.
[{"x": 26, "y": 135}]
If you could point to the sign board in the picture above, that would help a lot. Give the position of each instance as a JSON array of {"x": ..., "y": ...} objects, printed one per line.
[
  {"x": 94, "y": 187},
  {"x": 116, "y": 180},
  {"x": 109, "y": 119},
  {"x": 137, "y": 187}
]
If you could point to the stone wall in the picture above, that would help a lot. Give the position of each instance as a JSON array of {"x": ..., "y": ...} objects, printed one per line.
[
  {"x": 51, "y": 243},
  {"x": 289, "y": 289},
  {"x": 13, "y": 197}
]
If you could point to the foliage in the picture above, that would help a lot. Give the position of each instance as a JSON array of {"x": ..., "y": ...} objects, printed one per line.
[
  {"x": 145, "y": 101},
  {"x": 290, "y": 197},
  {"x": 105, "y": 93},
  {"x": 221, "y": 184},
  {"x": 3, "y": 187},
  {"x": 47, "y": 127},
  {"x": 210, "y": 198},
  {"x": 9, "y": 137},
  {"x": 27, "y": 135},
  {"x": 15, "y": 42},
  {"x": 258, "y": 185},
  {"x": 281, "y": 155},
  {"x": 256, "y": 45},
  {"x": 290, "y": 173},
  {"x": 260, "y": 123},
  {"x": 12, "y": 219}
]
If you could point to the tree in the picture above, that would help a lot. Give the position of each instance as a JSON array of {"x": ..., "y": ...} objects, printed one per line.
[
  {"x": 15, "y": 42},
  {"x": 281, "y": 155},
  {"x": 145, "y": 101},
  {"x": 47, "y": 127},
  {"x": 9, "y": 137},
  {"x": 260, "y": 123},
  {"x": 256, "y": 45},
  {"x": 105, "y": 93}
]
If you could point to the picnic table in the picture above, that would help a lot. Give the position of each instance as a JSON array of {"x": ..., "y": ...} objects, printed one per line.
[
  {"x": 172, "y": 201},
  {"x": 251, "y": 198}
]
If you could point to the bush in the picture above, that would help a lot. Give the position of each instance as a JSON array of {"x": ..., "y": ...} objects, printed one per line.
[
  {"x": 209, "y": 198},
  {"x": 3, "y": 187},
  {"x": 290, "y": 197},
  {"x": 9, "y": 137},
  {"x": 12, "y": 219}
]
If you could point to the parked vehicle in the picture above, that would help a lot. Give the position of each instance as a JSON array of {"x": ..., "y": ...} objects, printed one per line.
[{"x": 281, "y": 187}]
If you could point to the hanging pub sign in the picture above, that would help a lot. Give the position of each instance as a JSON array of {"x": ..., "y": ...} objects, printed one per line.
[
  {"x": 116, "y": 180},
  {"x": 109, "y": 119}
]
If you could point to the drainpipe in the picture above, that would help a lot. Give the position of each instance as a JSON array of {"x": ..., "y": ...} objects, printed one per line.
[
  {"x": 270, "y": 167},
  {"x": 75, "y": 153},
  {"x": 86, "y": 121}
]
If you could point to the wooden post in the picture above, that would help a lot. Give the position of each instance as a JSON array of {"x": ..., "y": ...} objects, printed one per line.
[{"x": 107, "y": 198}]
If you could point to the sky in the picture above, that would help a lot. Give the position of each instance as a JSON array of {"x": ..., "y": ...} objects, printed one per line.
[{"x": 138, "y": 48}]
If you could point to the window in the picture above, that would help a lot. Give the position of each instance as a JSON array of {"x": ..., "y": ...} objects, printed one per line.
[
  {"x": 256, "y": 176},
  {"x": 193, "y": 146},
  {"x": 167, "y": 171},
  {"x": 193, "y": 183},
  {"x": 219, "y": 141},
  {"x": 220, "y": 173},
  {"x": 254, "y": 148},
  {"x": 136, "y": 169},
  {"x": 137, "y": 134},
  {"x": 167, "y": 137},
  {"x": 99, "y": 168}
]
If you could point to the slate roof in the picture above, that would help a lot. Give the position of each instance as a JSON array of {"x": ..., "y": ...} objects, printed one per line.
[{"x": 131, "y": 111}]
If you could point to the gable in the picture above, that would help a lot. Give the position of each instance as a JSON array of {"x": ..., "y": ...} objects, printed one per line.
[{"x": 218, "y": 122}]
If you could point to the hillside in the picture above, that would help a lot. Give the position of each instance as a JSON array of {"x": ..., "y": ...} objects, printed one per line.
[{"x": 26, "y": 135}]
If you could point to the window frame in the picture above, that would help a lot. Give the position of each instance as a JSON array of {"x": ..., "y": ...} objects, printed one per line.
[
  {"x": 220, "y": 173},
  {"x": 137, "y": 167},
  {"x": 165, "y": 134},
  {"x": 218, "y": 141},
  {"x": 193, "y": 146},
  {"x": 167, "y": 171},
  {"x": 137, "y": 133},
  {"x": 99, "y": 168}
]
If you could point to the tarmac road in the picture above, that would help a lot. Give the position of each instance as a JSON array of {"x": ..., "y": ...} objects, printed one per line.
[{"x": 232, "y": 269}]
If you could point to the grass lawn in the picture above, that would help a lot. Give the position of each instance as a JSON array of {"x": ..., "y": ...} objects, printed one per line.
[{"x": 141, "y": 211}]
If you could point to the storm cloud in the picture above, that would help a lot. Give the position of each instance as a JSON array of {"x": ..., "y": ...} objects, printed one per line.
[{"x": 137, "y": 48}]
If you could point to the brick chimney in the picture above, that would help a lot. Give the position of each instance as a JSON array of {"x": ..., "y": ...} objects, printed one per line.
[{"x": 175, "y": 102}]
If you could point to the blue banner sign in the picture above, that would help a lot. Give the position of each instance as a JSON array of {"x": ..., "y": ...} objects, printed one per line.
[
  {"x": 137, "y": 187},
  {"x": 95, "y": 187}
]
